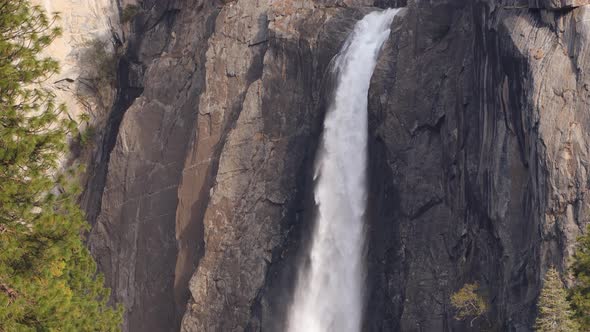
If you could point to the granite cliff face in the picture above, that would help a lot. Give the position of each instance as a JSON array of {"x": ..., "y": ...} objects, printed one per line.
[
  {"x": 480, "y": 128},
  {"x": 87, "y": 26},
  {"x": 200, "y": 193}
]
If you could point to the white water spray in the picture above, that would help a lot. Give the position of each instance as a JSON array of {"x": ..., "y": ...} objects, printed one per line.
[{"x": 329, "y": 295}]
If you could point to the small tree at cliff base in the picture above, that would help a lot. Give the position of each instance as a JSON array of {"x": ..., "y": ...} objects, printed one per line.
[
  {"x": 469, "y": 304},
  {"x": 554, "y": 312},
  {"x": 48, "y": 280},
  {"x": 580, "y": 293}
]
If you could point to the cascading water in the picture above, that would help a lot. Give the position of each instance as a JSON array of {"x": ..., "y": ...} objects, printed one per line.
[{"x": 329, "y": 295}]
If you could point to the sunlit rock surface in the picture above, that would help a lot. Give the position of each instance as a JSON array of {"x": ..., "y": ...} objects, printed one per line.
[{"x": 83, "y": 23}]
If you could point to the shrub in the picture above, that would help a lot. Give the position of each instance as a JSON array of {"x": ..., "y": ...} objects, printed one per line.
[
  {"x": 468, "y": 303},
  {"x": 128, "y": 13},
  {"x": 101, "y": 62},
  {"x": 87, "y": 135}
]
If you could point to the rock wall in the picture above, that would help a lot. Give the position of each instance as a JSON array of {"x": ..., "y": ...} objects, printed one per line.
[
  {"x": 201, "y": 193},
  {"x": 87, "y": 27},
  {"x": 142, "y": 156},
  {"x": 479, "y": 161}
]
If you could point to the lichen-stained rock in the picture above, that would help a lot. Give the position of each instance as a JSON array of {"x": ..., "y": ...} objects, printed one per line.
[{"x": 486, "y": 149}]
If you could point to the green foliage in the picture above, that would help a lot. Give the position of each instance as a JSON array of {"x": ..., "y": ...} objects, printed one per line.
[
  {"x": 468, "y": 303},
  {"x": 102, "y": 62},
  {"x": 100, "y": 68},
  {"x": 555, "y": 314},
  {"x": 580, "y": 293},
  {"x": 87, "y": 135},
  {"x": 129, "y": 12},
  {"x": 48, "y": 280}
]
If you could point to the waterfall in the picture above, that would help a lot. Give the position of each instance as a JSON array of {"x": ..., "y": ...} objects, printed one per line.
[{"x": 329, "y": 294}]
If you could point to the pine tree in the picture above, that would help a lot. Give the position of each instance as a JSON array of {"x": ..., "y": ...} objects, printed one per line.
[
  {"x": 555, "y": 314},
  {"x": 580, "y": 293},
  {"x": 48, "y": 280}
]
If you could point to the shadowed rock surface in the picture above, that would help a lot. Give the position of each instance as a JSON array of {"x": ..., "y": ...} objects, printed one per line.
[{"x": 478, "y": 159}]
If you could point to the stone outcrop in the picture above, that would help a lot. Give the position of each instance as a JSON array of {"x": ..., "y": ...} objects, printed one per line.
[
  {"x": 87, "y": 27},
  {"x": 201, "y": 199}
]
